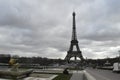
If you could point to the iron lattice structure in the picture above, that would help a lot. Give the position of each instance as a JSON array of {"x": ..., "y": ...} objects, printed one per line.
[{"x": 74, "y": 42}]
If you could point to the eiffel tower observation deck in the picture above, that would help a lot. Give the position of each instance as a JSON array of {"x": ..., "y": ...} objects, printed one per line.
[{"x": 74, "y": 43}]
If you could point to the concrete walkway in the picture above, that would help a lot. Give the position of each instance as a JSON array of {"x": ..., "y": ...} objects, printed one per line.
[
  {"x": 40, "y": 77},
  {"x": 77, "y": 75}
]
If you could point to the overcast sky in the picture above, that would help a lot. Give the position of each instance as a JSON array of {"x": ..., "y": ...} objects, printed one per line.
[{"x": 44, "y": 27}]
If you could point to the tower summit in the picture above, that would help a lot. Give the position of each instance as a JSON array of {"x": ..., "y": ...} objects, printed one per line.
[{"x": 74, "y": 42}]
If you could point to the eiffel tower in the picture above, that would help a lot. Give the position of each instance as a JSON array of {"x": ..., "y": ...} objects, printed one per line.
[{"x": 74, "y": 43}]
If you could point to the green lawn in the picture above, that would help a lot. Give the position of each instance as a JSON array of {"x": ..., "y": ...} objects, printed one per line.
[{"x": 63, "y": 77}]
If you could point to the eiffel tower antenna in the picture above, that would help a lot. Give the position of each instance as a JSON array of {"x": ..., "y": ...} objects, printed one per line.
[
  {"x": 74, "y": 36},
  {"x": 74, "y": 42}
]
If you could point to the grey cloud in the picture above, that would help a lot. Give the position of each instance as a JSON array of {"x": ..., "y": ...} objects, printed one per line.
[{"x": 42, "y": 28}]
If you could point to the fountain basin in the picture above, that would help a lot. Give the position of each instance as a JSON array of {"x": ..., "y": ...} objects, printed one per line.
[{"x": 15, "y": 74}]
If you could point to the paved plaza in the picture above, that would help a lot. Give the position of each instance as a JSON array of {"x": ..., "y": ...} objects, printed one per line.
[
  {"x": 39, "y": 78},
  {"x": 77, "y": 75}
]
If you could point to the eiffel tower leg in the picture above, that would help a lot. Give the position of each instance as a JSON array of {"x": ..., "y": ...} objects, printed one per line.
[{"x": 75, "y": 58}]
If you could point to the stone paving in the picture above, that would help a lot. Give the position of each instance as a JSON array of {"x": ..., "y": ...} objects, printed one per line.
[
  {"x": 36, "y": 78},
  {"x": 77, "y": 75},
  {"x": 48, "y": 70}
]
